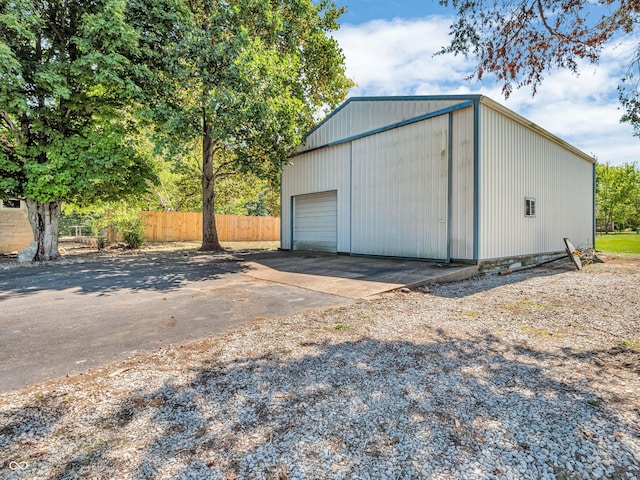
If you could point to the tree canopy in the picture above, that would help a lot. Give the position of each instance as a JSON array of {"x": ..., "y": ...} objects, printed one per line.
[
  {"x": 66, "y": 124},
  {"x": 247, "y": 78},
  {"x": 519, "y": 41},
  {"x": 178, "y": 189},
  {"x": 244, "y": 77}
]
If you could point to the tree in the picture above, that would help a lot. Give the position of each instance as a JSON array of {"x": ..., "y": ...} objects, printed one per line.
[
  {"x": 248, "y": 195},
  {"x": 246, "y": 78},
  {"x": 66, "y": 130},
  {"x": 617, "y": 193},
  {"x": 178, "y": 188},
  {"x": 634, "y": 208},
  {"x": 519, "y": 41}
]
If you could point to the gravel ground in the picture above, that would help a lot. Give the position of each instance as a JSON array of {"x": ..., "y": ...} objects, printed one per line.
[{"x": 532, "y": 375}]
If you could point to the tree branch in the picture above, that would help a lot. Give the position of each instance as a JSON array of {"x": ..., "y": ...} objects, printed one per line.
[
  {"x": 4, "y": 146},
  {"x": 7, "y": 119},
  {"x": 226, "y": 174},
  {"x": 550, "y": 29},
  {"x": 222, "y": 166}
]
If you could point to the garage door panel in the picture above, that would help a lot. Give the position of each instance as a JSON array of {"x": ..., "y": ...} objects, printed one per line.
[
  {"x": 315, "y": 222},
  {"x": 316, "y": 246}
]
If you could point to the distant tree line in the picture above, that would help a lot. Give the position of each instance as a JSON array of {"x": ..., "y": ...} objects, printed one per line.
[{"x": 617, "y": 196}]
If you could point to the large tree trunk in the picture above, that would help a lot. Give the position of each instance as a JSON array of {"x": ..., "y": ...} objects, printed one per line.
[
  {"x": 210, "y": 241},
  {"x": 45, "y": 224}
]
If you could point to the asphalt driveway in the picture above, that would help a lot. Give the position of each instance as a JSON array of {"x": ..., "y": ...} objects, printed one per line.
[{"x": 61, "y": 320}]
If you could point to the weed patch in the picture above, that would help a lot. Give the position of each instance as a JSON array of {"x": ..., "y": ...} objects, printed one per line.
[
  {"x": 631, "y": 344},
  {"x": 470, "y": 315},
  {"x": 542, "y": 332},
  {"x": 526, "y": 306}
]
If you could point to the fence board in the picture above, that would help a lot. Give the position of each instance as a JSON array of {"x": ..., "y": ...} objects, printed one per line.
[{"x": 187, "y": 226}]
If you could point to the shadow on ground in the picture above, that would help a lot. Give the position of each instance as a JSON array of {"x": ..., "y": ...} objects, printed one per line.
[
  {"x": 165, "y": 272},
  {"x": 360, "y": 408},
  {"x": 157, "y": 272}
]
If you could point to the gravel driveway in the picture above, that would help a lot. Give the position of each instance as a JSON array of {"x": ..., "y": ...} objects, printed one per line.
[{"x": 530, "y": 375}]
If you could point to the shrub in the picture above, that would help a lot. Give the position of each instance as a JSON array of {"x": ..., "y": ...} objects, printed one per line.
[
  {"x": 102, "y": 241},
  {"x": 130, "y": 226},
  {"x": 125, "y": 222}
]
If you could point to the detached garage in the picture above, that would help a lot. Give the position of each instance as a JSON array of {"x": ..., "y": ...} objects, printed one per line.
[{"x": 445, "y": 178}]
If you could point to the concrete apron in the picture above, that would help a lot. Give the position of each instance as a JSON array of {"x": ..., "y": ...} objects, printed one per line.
[{"x": 351, "y": 276}]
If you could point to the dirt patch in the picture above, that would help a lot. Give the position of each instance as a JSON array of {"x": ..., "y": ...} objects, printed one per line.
[{"x": 620, "y": 258}]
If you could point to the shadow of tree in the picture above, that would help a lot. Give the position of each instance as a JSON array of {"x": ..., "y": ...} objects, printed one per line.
[
  {"x": 449, "y": 408},
  {"x": 107, "y": 276},
  {"x": 21, "y": 426},
  {"x": 165, "y": 272},
  {"x": 34, "y": 420}
]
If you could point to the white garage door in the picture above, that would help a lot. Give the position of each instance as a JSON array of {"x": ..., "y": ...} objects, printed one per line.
[{"x": 315, "y": 222}]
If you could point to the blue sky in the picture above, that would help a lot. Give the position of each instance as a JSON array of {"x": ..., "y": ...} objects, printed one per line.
[
  {"x": 389, "y": 47},
  {"x": 361, "y": 11}
]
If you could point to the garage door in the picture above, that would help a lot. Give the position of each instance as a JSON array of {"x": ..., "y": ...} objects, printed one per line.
[{"x": 315, "y": 222}]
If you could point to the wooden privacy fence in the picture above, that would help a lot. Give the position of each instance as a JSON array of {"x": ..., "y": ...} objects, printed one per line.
[{"x": 184, "y": 226}]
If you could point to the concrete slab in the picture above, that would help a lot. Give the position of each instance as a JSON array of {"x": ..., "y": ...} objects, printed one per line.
[{"x": 350, "y": 276}]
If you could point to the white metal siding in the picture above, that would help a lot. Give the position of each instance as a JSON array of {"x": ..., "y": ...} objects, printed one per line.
[
  {"x": 393, "y": 196},
  {"x": 315, "y": 222},
  {"x": 517, "y": 162},
  {"x": 400, "y": 191},
  {"x": 362, "y": 116},
  {"x": 318, "y": 171},
  {"x": 462, "y": 185}
]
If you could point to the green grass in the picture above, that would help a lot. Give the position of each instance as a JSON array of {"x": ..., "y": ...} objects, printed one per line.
[
  {"x": 618, "y": 242},
  {"x": 543, "y": 332},
  {"x": 526, "y": 305},
  {"x": 631, "y": 344}
]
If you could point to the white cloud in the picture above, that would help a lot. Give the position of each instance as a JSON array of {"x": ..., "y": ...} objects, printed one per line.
[{"x": 396, "y": 57}]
